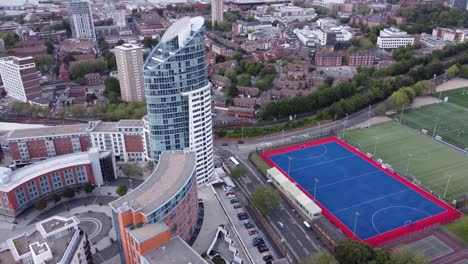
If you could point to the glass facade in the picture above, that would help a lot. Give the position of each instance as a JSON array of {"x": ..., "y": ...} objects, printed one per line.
[
  {"x": 175, "y": 71},
  {"x": 107, "y": 168}
]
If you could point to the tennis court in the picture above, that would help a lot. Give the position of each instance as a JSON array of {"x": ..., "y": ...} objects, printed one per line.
[{"x": 364, "y": 200}]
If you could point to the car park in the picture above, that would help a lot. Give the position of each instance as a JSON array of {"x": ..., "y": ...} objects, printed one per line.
[{"x": 234, "y": 201}]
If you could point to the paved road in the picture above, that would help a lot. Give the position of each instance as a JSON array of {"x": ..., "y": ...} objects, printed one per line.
[{"x": 299, "y": 243}]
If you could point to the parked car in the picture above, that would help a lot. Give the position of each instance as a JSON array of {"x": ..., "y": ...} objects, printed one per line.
[
  {"x": 225, "y": 144},
  {"x": 280, "y": 225},
  {"x": 236, "y": 206},
  {"x": 263, "y": 249},
  {"x": 253, "y": 232},
  {"x": 243, "y": 217},
  {"x": 234, "y": 201},
  {"x": 249, "y": 226},
  {"x": 232, "y": 196},
  {"x": 267, "y": 257},
  {"x": 257, "y": 238},
  {"x": 258, "y": 243},
  {"x": 230, "y": 193},
  {"x": 241, "y": 213},
  {"x": 226, "y": 188}
]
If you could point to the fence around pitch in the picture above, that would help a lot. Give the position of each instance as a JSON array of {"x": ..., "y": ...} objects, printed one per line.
[{"x": 449, "y": 215}]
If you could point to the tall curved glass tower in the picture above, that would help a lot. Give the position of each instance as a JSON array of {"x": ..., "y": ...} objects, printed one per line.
[{"x": 178, "y": 95}]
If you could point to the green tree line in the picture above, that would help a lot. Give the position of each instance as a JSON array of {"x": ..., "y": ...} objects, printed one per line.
[{"x": 367, "y": 87}]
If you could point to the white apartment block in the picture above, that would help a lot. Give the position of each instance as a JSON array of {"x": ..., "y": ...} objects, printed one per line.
[
  {"x": 130, "y": 71},
  {"x": 55, "y": 240},
  {"x": 81, "y": 20},
  {"x": 217, "y": 7},
  {"x": 393, "y": 38},
  {"x": 20, "y": 78}
]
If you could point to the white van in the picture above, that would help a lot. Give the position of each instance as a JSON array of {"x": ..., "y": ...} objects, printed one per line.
[{"x": 306, "y": 225}]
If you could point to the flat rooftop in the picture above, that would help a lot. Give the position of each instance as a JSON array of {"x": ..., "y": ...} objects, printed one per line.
[
  {"x": 29, "y": 172},
  {"x": 148, "y": 231},
  {"x": 48, "y": 131},
  {"x": 172, "y": 172},
  {"x": 175, "y": 251},
  {"x": 55, "y": 223},
  {"x": 106, "y": 127},
  {"x": 130, "y": 123}
]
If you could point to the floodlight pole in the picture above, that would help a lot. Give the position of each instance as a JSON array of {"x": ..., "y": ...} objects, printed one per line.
[
  {"x": 375, "y": 145},
  {"x": 401, "y": 116},
  {"x": 315, "y": 189},
  {"x": 446, "y": 186},
  {"x": 435, "y": 127},
  {"x": 408, "y": 163},
  {"x": 355, "y": 223},
  {"x": 289, "y": 166}
]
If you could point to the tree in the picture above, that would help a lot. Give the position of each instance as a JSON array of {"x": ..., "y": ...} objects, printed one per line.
[
  {"x": 149, "y": 42},
  {"x": 50, "y": 46},
  {"x": 149, "y": 166},
  {"x": 238, "y": 171},
  {"x": 132, "y": 170},
  {"x": 453, "y": 71},
  {"x": 40, "y": 205},
  {"x": 404, "y": 255},
  {"x": 9, "y": 39},
  {"x": 464, "y": 71},
  {"x": 380, "y": 110},
  {"x": 265, "y": 198},
  {"x": 112, "y": 89},
  {"x": 68, "y": 193},
  {"x": 120, "y": 42},
  {"x": 351, "y": 252},
  {"x": 121, "y": 190},
  {"x": 399, "y": 99},
  {"x": 366, "y": 44},
  {"x": 88, "y": 188},
  {"x": 44, "y": 62},
  {"x": 81, "y": 68},
  {"x": 321, "y": 257},
  {"x": 56, "y": 197},
  {"x": 78, "y": 110},
  {"x": 244, "y": 79}
]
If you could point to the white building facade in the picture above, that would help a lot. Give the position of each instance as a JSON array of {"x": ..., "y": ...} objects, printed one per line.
[
  {"x": 81, "y": 20},
  {"x": 20, "y": 78},
  {"x": 393, "y": 38}
]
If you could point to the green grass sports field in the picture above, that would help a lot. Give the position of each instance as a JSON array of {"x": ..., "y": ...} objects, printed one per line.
[
  {"x": 435, "y": 165},
  {"x": 448, "y": 120}
]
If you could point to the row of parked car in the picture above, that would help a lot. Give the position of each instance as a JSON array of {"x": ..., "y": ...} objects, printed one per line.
[{"x": 256, "y": 241}]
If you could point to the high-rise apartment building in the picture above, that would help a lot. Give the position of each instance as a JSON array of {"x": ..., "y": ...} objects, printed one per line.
[
  {"x": 462, "y": 4},
  {"x": 178, "y": 95},
  {"x": 217, "y": 11},
  {"x": 162, "y": 208},
  {"x": 20, "y": 78},
  {"x": 81, "y": 20},
  {"x": 130, "y": 69}
]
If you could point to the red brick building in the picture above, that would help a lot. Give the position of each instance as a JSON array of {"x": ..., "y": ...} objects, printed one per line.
[
  {"x": 360, "y": 59},
  {"x": 328, "y": 59},
  {"x": 93, "y": 79},
  {"x": 21, "y": 188},
  {"x": 241, "y": 112}
]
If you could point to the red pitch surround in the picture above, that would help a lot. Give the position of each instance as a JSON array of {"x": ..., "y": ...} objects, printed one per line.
[{"x": 449, "y": 215}]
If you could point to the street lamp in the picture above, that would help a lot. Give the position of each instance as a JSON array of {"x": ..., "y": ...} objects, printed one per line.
[
  {"x": 130, "y": 180},
  {"x": 355, "y": 223},
  {"x": 315, "y": 189}
]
